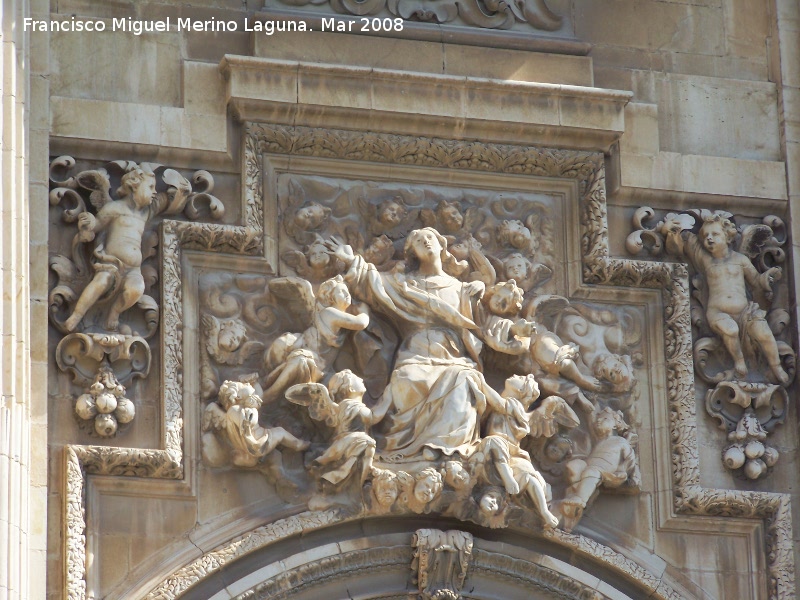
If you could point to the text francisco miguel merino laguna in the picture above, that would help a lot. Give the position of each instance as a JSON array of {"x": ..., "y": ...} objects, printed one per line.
[{"x": 138, "y": 27}]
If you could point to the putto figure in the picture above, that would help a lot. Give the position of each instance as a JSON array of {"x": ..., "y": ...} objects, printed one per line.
[
  {"x": 611, "y": 463},
  {"x": 235, "y": 418},
  {"x": 107, "y": 274},
  {"x": 308, "y": 357},
  {"x": 729, "y": 275},
  {"x": 501, "y": 441},
  {"x": 117, "y": 259},
  {"x": 341, "y": 407}
]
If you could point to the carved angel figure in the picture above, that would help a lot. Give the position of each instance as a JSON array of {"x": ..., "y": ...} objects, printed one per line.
[
  {"x": 235, "y": 418},
  {"x": 106, "y": 269},
  {"x": 119, "y": 227},
  {"x": 307, "y": 357},
  {"x": 596, "y": 335},
  {"x": 306, "y": 221},
  {"x": 527, "y": 274},
  {"x": 421, "y": 490},
  {"x": 341, "y": 407},
  {"x": 503, "y": 434},
  {"x": 505, "y": 331},
  {"x": 385, "y": 491},
  {"x": 728, "y": 277},
  {"x": 611, "y": 463},
  {"x": 514, "y": 233},
  {"x": 446, "y": 218},
  {"x": 469, "y": 251}
]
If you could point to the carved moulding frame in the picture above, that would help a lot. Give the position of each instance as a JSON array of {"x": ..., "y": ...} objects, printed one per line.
[{"x": 598, "y": 267}]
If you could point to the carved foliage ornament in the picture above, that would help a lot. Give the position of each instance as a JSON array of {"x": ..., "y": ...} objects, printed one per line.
[
  {"x": 738, "y": 316},
  {"x": 414, "y": 355}
]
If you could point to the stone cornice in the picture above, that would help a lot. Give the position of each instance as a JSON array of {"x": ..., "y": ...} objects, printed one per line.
[{"x": 393, "y": 101}]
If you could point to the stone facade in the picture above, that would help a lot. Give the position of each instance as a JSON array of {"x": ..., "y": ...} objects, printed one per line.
[{"x": 487, "y": 300}]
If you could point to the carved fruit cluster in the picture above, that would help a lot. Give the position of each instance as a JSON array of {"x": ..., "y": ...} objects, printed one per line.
[{"x": 105, "y": 403}]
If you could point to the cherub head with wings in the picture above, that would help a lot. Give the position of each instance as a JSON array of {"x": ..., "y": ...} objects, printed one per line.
[
  {"x": 514, "y": 233},
  {"x": 226, "y": 340}
]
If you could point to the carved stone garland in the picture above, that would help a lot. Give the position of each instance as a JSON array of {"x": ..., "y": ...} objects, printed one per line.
[{"x": 598, "y": 268}]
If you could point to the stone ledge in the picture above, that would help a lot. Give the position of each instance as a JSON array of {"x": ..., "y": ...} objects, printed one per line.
[
  {"x": 123, "y": 122},
  {"x": 393, "y": 101},
  {"x": 694, "y": 175}
]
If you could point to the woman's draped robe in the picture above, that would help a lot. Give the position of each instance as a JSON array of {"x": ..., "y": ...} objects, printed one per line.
[{"x": 438, "y": 395}]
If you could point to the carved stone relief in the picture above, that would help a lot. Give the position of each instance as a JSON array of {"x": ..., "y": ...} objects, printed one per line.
[
  {"x": 414, "y": 358},
  {"x": 533, "y": 14},
  {"x": 251, "y": 310},
  {"x": 739, "y": 319},
  {"x": 105, "y": 298}
]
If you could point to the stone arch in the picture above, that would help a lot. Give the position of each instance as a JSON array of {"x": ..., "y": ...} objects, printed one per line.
[{"x": 371, "y": 559}]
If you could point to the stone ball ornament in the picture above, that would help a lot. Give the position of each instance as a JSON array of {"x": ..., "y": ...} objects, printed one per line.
[{"x": 104, "y": 407}]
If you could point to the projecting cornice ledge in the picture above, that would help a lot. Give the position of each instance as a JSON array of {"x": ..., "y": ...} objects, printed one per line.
[{"x": 410, "y": 103}]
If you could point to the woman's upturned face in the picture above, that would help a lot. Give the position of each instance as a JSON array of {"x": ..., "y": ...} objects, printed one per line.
[{"x": 426, "y": 245}]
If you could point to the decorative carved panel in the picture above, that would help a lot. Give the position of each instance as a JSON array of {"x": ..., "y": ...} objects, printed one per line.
[{"x": 374, "y": 344}]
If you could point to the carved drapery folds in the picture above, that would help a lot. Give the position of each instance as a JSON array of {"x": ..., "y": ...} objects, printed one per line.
[
  {"x": 739, "y": 317},
  {"x": 105, "y": 300},
  {"x": 414, "y": 357}
]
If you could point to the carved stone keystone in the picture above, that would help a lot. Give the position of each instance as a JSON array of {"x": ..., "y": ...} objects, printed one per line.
[{"x": 441, "y": 561}]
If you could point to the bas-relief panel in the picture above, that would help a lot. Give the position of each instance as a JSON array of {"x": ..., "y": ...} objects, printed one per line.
[
  {"x": 414, "y": 355},
  {"x": 417, "y": 351},
  {"x": 105, "y": 299}
]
